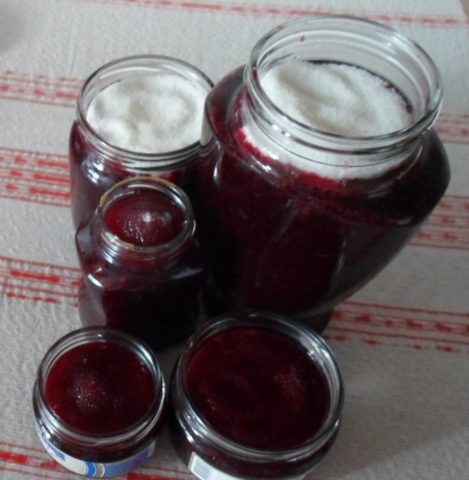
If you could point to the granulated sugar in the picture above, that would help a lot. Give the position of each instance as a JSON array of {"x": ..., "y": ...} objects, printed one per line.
[
  {"x": 148, "y": 113},
  {"x": 336, "y": 98}
]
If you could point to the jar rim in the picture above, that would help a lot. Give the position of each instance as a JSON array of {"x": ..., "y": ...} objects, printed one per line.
[
  {"x": 294, "y": 331},
  {"x": 137, "y": 430},
  {"x": 363, "y": 29},
  {"x": 114, "y": 243},
  {"x": 140, "y": 160}
]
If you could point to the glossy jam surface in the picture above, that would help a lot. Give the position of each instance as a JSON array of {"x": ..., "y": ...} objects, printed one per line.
[
  {"x": 146, "y": 219},
  {"x": 100, "y": 388},
  {"x": 280, "y": 238},
  {"x": 258, "y": 388}
]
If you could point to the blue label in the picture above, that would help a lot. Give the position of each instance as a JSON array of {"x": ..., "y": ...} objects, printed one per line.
[{"x": 93, "y": 469}]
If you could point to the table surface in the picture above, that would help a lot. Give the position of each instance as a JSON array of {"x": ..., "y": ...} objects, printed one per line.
[{"x": 402, "y": 341}]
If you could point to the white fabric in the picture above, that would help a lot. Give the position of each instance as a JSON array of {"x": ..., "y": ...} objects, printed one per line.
[{"x": 403, "y": 341}]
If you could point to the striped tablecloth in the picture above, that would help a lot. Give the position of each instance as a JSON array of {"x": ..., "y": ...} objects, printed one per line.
[{"x": 403, "y": 341}]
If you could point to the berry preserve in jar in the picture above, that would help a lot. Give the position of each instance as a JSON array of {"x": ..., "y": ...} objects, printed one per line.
[
  {"x": 319, "y": 164},
  {"x": 135, "y": 116},
  {"x": 142, "y": 271},
  {"x": 99, "y": 402},
  {"x": 255, "y": 395}
]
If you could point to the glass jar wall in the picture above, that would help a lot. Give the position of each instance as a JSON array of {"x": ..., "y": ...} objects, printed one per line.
[
  {"x": 294, "y": 218},
  {"x": 255, "y": 395},
  {"x": 96, "y": 163},
  {"x": 99, "y": 402},
  {"x": 142, "y": 271}
]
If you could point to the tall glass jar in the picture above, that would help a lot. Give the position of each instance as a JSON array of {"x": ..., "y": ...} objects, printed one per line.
[
  {"x": 148, "y": 289},
  {"x": 295, "y": 219},
  {"x": 95, "y": 164}
]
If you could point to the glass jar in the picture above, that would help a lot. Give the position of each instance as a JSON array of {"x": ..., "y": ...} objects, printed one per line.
[
  {"x": 99, "y": 402},
  {"x": 255, "y": 395},
  {"x": 295, "y": 219},
  {"x": 95, "y": 164},
  {"x": 150, "y": 290}
]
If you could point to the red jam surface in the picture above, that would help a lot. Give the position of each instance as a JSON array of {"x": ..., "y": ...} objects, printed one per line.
[
  {"x": 100, "y": 388},
  {"x": 258, "y": 388},
  {"x": 281, "y": 239},
  {"x": 146, "y": 219}
]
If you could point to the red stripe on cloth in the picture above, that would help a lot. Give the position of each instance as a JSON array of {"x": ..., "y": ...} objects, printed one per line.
[
  {"x": 39, "y": 282},
  {"x": 412, "y": 344},
  {"x": 69, "y": 272},
  {"x": 40, "y": 79},
  {"x": 408, "y": 322},
  {"x": 37, "y": 88},
  {"x": 49, "y": 193},
  {"x": 443, "y": 343},
  {"x": 24, "y": 197},
  {"x": 441, "y": 238},
  {"x": 401, "y": 326},
  {"x": 39, "y": 461},
  {"x": 34, "y": 176},
  {"x": 146, "y": 476},
  {"x": 35, "y": 276},
  {"x": 414, "y": 310},
  {"x": 292, "y": 11},
  {"x": 34, "y": 474},
  {"x": 9, "y": 290}
]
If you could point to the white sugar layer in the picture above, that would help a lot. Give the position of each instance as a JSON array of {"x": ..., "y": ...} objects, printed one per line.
[
  {"x": 336, "y": 98},
  {"x": 148, "y": 113}
]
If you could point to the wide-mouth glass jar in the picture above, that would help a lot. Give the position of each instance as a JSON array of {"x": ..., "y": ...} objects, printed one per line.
[
  {"x": 97, "y": 163},
  {"x": 99, "y": 402},
  {"x": 255, "y": 395},
  {"x": 142, "y": 270},
  {"x": 295, "y": 218}
]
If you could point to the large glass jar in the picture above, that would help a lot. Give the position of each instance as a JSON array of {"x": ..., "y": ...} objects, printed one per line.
[
  {"x": 142, "y": 272},
  {"x": 295, "y": 219},
  {"x": 96, "y": 164},
  {"x": 255, "y": 395}
]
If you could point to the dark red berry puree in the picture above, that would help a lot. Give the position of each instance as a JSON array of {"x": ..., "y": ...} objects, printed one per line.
[
  {"x": 147, "y": 219},
  {"x": 100, "y": 388},
  {"x": 287, "y": 240},
  {"x": 258, "y": 388}
]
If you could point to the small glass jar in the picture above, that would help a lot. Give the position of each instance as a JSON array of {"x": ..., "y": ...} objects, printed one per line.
[
  {"x": 95, "y": 164},
  {"x": 295, "y": 219},
  {"x": 150, "y": 290},
  {"x": 255, "y": 395},
  {"x": 90, "y": 375}
]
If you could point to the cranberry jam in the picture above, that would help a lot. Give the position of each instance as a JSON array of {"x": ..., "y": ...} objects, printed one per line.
[
  {"x": 99, "y": 402},
  {"x": 103, "y": 151},
  {"x": 100, "y": 388},
  {"x": 255, "y": 395},
  {"x": 295, "y": 219},
  {"x": 145, "y": 219},
  {"x": 142, "y": 272}
]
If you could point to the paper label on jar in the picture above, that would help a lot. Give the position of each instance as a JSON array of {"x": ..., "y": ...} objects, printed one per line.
[
  {"x": 204, "y": 471},
  {"x": 95, "y": 469}
]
